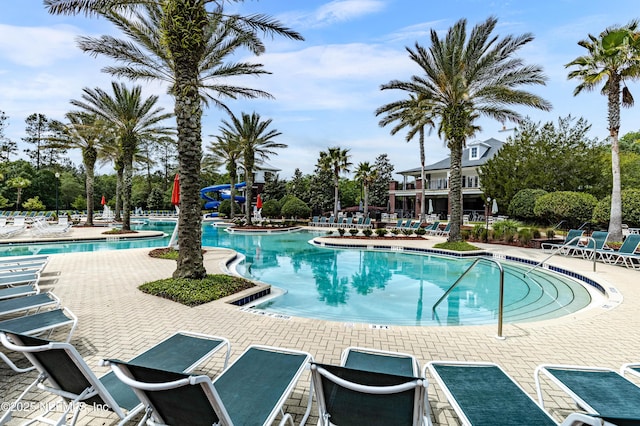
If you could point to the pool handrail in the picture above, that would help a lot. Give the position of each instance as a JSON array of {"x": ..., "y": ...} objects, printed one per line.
[{"x": 500, "y": 296}]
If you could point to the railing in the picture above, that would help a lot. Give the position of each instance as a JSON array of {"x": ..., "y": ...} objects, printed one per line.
[
  {"x": 500, "y": 298},
  {"x": 565, "y": 245}
]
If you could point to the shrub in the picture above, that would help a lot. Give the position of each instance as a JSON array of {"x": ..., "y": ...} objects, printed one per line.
[
  {"x": 271, "y": 208},
  {"x": 33, "y": 203},
  {"x": 353, "y": 231},
  {"x": 574, "y": 208},
  {"x": 407, "y": 232},
  {"x": 341, "y": 231},
  {"x": 478, "y": 231},
  {"x": 630, "y": 209},
  {"x": 465, "y": 234},
  {"x": 522, "y": 204},
  {"x": 193, "y": 292},
  {"x": 381, "y": 232},
  {"x": 505, "y": 229},
  {"x": 225, "y": 208},
  {"x": 367, "y": 232},
  {"x": 525, "y": 235},
  {"x": 420, "y": 231},
  {"x": 295, "y": 207},
  {"x": 395, "y": 231}
]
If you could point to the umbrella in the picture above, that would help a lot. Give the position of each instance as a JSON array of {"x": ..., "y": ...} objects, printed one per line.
[
  {"x": 259, "y": 202},
  {"x": 360, "y": 206},
  {"x": 430, "y": 211},
  {"x": 103, "y": 201},
  {"x": 175, "y": 193},
  {"x": 494, "y": 207}
]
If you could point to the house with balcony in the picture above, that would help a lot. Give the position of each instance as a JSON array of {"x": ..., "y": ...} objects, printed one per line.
[{"x": 405, "y": 196}]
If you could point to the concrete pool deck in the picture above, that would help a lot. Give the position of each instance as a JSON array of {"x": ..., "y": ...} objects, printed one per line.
[{"x": 117, "y": 320}]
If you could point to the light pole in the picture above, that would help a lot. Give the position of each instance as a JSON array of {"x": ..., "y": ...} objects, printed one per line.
[
  {"x": 57, "y": 184},
  {"x": 486, "y": 218}
]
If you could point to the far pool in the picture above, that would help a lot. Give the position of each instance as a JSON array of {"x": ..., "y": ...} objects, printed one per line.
[{"x": 368, "y": 286}]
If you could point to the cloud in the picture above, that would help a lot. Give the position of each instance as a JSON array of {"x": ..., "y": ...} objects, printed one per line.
[
  {"x": 37, "y": 46},
  {"x": 333, "y": 12}
]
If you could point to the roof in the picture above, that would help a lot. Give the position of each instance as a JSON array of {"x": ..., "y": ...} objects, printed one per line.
[{"x": 494, "y": 146}]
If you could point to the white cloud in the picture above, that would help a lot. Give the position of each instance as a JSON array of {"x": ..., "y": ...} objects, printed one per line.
[
  {"x": 37, "y": 46},
  {"x": 333, "y": 12}
]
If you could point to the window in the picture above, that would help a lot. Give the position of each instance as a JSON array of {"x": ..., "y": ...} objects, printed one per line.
[{"x": 473, "y": 153}]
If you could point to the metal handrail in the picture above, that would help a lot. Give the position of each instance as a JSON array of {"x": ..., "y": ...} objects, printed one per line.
[
  {"x": 501, "y": 295},
  {"x": 567, "y": 244}
]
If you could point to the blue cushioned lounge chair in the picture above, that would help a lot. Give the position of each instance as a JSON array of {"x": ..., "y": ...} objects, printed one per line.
[
  {"x": 484, "y": 394},
  {"x": 626, "y": 254},
  {"x": 601, "y": 392},
  {"x": 252, "y": 391},
  {"x": 571, "y": 240},
  {"x": 64, "y": 373}
]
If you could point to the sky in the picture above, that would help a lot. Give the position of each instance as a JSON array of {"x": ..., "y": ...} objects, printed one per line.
[{"x": 326, "y": 88}]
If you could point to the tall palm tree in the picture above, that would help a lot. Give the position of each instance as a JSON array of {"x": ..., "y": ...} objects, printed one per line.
[
  {"x": 226, "y": 150},
  {"x": 466, "y": 76},
  {"x": 611, "y": 59},
  {"x": 89, "y": 134},
  {"x": 366, "y": 174},
  {"x": 132, "y": 119},
  {"x": 336, "y": 161},
  {"x": 251, "y": 133},
  {"x": 413, "y": 113},
  {"x": 189, "y": 47}
]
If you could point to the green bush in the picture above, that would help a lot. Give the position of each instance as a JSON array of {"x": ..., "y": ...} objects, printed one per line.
[
  {"x": 407, "y": 232},
  {"x": 381, "y": 232},
  {"x": 525, "y": 235},
  {"x": 367, "y": 232},
  {"x": 574, "y": 208},
  {"x": 505, "y": 229},
  {"x": 465, "y": 234},
  {"x": 550, "y": 233},
  {"x": 630, "y": 209},
  {"x": 225, "y": 208},
  {"x": 33, "y": 203},
  {"x": 420, "y": 231},
  {"x": 295, "y": 207},
  {"x": 271, "y": 208},
  {"x": 478, "y": 231},
  {"x": 341, "y": 231},
  {"x": 193, "y": 292},
  {"x": 522, "y": 204},
  {"x": 395, "y": 231},
  {"x": 353, "y": 231}
]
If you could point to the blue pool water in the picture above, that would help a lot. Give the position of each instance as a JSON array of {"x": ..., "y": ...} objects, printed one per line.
[{"x": 365, "y": 286}]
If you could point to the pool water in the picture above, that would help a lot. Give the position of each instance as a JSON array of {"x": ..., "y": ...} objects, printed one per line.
[{"x": 367, "y": 286}]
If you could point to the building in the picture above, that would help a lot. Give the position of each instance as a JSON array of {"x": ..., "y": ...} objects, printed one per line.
[{"x": 404, "y": 198}]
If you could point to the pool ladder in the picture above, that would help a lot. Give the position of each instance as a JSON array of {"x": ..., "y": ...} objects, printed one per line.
[{"x": 500, "y": 296}]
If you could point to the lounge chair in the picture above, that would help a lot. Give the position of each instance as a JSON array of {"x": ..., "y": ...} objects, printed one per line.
[
  {"x": 64, "y": 373},
  {"x": 380, "y": 361},
  {"x": 597, "y": 241},
  {"x": 43, "y": 229},
  {"x": 18, "y": 291},
  {"x": 445, "y": 232},
  {"x": 314, "y": 221},
  {"x": 484, "y": 394},
  {"x": 10, "y": 279},
  {"x": 571, "y": 240},
  {"x": 626, "y": 254},
  {"x": 22, "y": 263},
  {"x": 353, "y": 396},
  {"x": 28, "y": 303},
  {"x": 601, "y": 392},
  {"x": 398, "y": 224},
  {"x": 38, "y": 323},
  {"x": 252, "y": 391},
  {"x": 435, "y": 228}
]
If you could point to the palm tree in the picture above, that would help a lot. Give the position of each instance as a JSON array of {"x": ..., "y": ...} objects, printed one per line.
[
  {"x": 226, "y": 150},
  {"x": 415, "y": 114},
  {"x": 254, "y": 138},
  {"x": 611, "y": 59},
  {"x": 366, "y": 174},
  {"x": 89, "y": 134},
  {"x": 467, "y": 76},
  {"x": 184, "y": 44},
  {"x": 336, "y": 161},
  {"x": 132, "y": 119}
]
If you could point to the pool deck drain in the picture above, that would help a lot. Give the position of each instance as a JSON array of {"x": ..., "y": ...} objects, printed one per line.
[{"x": 116, "y": 320}]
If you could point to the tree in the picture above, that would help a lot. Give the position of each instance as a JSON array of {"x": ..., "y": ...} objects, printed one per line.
[
  {"x": 366, "y": 175},
  {"x": 255, "y": 139},
  {"x": 379, "y": 190},
  {"x": 7, "y": 146},
  {"x": 19, "y": 183},
  {"x": 274, "y": 188},
  {"x": 550, "y": 156},
  {"x": 414, "y": 114},
  {"x": 226, "y": 149},
  {"x": 466, "y": 77},
  {"x": 321, "y": 194},
  {"x": 612, "y": 58},
  {"x": 299, "y": 186},
  {"x": 40, "y": 130},
  {"x": 132, "y": 119},
  {"x": 336, "y": 161},
  {"x": 194, "y": 47},
  {"x": 630, "y": 142},
  {"x": 88, "y": 134}
]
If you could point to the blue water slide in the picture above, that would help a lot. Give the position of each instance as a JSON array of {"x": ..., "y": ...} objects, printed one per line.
[{"x": 224, "y": 191}]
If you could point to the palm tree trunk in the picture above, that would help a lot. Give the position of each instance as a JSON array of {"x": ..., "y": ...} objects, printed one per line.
[
  {"x": 366, "y": 200},
  {"x": 232, "y": 195},
  {"x": 248, "y": 172},
  {"x": 455, "y": 190},
  {"x": 422, "y": 175},
  {"x": 119, "y": 182},
  {"x": 615, "y": 220},
  {"x": 89, "y": 159},
  {"x": 336, "y": 197}
]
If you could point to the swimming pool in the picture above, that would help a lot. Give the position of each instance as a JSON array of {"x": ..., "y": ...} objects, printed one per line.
[{"x": 376, "y": 287}]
